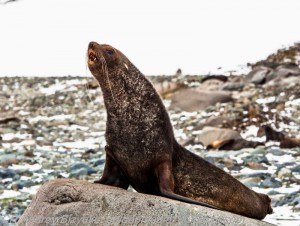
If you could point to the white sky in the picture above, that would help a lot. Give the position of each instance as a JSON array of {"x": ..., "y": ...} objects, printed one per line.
[{"x": 50, "y": 37}]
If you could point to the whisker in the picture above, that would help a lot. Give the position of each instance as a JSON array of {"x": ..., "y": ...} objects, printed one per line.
[
  {"x": 86, "y": 78},
  {"x": 105, "y": 71}
]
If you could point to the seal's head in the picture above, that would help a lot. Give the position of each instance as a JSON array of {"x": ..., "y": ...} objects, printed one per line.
[
  {"x": 103, "y": 58},
  {"x": 119, "y": 79}
]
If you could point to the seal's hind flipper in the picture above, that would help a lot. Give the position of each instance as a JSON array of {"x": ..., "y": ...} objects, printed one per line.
[
  {"x": 166, "y": 185},
  {"x": 113, "y": 175}
]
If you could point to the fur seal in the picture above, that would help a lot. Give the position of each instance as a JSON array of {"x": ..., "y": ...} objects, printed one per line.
[
  {"x": 285, "y": 142},
  {"x": 141, "y": 148}
]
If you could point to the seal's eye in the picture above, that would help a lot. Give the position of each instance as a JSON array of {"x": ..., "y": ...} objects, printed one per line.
[{"x": 110, "y": 52}]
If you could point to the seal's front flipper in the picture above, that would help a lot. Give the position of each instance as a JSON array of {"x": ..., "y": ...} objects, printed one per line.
[
  {"x": 166, "y": 184},
  {"x": 113, "y": 175}
]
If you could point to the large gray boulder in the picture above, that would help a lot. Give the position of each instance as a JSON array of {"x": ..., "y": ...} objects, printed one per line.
[
  {"x": 197, "y": 99},
  {"x": 75, "y": 202}
]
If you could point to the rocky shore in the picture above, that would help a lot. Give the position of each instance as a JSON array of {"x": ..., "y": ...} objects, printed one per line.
[{"x": 248, "y": 125}]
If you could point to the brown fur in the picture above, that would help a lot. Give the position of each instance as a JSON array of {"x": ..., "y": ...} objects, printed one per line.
[
  {"x": 142, "y": 151},
  {"x": 285, "y": 142}
]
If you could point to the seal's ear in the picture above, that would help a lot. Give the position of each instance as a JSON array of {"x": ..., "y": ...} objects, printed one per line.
[{"x": 126, "y": 66}]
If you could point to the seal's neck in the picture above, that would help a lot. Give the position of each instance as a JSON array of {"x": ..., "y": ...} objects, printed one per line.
[{"x": 126, "y": 87}]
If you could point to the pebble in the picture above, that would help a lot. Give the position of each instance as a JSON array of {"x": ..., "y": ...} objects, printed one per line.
[
  {"x": 59, "y": 116},
  {"x": 80, "y": 169},
  {"x": 284, "y": 173},
  {"x": 7, "y": 173},
  {"x": 21, "y": 184},
  {"x": 256, "y": 166},
  {"x": 99, "y": 162},
  {"x": 277, "y": 152},
  {"x": 288, "y": 199},
  {"x": 296, "y": 169},
  {"x": 251, "y": 181},
  {"x": 256, "y": 158},
  {"x": 270, "y": 183}
]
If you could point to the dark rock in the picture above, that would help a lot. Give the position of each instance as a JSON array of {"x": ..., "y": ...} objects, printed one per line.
[
  {"x": 270, "y": 183},
  {"x": 296, "y": 201},
  {"x": 21, "y": 184},
  {"x": 7, "y": 173},
  {"x": 296, "y": 169},
  {"x": 256, "y": 158},
  {"x": 273, "y": 192},
  {"x": 287, "y": 199},
  {"x": 90, "y": 151},
  {"x": 277, "y": 152},
  {"x": 80, "y": 169},
  {"x": 233, "y": 86},
  {"x": 99, "y": 162},
  {"x": 258, "y": 75}
]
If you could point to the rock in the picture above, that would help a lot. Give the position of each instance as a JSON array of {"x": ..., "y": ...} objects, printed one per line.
[
  {"x": 270, "y": 182},
  {"x": 256, "y": 166},
  {"x": 283, "y": 71},
  {"x": 21, "y": 184},
  {"x": 7, "y": 173},
  {"x": 251, "y": 181},
  {"x": 168, "y": 88},
  {"x": 296, "y": 203},
  {"x": 3, "y": 222},
  {"x": 277, "y": 152},
  {"x": 287, "y": 199},
  {"x": 196, "y": 99},
  {"x": 214, "y": 121},
  {"x": 232, "y": 86},
  {"x": 85, "y": 203},
  {"x": 8, "y": 157},
  {"x": 296, "y": 169},
  {"x": 256, "y": 158},
  {"x": 284, "y": 173},
  {"x": 99, "y": 162},
  {"x": 258, "y": 75},
  {"x": 80, "y": 169}
]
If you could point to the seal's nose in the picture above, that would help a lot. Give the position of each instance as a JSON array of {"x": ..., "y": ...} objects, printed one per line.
[{"x": 92, "y": 45}]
